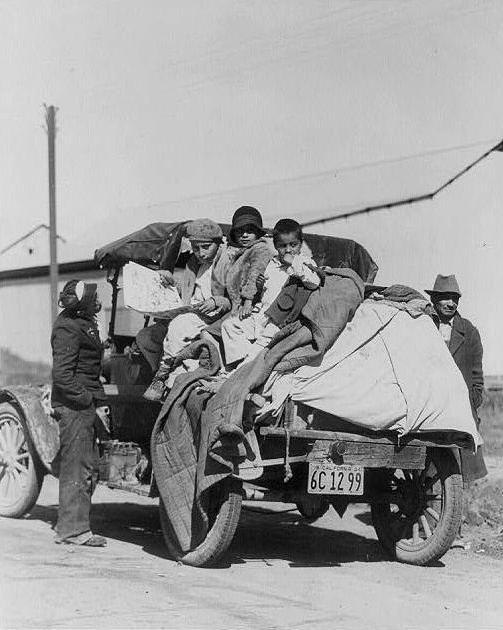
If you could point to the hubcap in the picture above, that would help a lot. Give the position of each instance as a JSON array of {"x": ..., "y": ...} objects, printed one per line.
[{"x": 15, "y": 460}]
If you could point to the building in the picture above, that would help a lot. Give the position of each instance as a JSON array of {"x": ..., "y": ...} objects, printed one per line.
[{"x": 25, "y": 308}]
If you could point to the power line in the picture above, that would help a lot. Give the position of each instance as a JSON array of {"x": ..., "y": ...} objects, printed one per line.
[
  {"x": 319, "y": 174},
  {"x": 416, "y": 199}
]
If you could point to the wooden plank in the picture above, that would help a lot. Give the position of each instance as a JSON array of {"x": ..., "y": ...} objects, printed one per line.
[
  {"x": 316, "y": 434},
  {"x": 370, "y": 455}
]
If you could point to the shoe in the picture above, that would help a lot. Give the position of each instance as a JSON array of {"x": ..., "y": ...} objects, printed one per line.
[
  {"x": 93, "y": 540},
  {"x": 96, "y": 541},
  {"x": 155, "y": 390},
  {"x": 157, "y": 387}
]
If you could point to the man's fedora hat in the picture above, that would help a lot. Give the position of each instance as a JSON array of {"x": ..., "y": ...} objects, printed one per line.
[{"x": 445, "y": 284}]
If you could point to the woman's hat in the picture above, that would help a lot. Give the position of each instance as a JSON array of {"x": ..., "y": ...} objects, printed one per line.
[
  {"x": 445, "y": 284},
  {"x": 247, "y": 215},
  {"x": 77, "y": 295}
]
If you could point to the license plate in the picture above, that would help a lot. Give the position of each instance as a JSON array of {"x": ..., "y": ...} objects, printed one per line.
[{"x": 328, "y": 478}]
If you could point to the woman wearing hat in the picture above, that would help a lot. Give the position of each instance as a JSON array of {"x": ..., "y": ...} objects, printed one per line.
[
  {"x": 77, "y": 399},
  {"x": 251, "y": 256}
]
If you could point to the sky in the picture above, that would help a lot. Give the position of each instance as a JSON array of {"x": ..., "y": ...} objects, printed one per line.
[{"x": 169, "y": 110}]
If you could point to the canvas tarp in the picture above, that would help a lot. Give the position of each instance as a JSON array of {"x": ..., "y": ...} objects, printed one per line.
[{"x": 389, "y": 369}]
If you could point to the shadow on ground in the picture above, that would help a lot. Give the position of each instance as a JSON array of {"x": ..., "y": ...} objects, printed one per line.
[{"x": 263, "y": 535}]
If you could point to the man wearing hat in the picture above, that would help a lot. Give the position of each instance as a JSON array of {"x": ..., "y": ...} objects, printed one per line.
[
  {"x": 465, "y": 346},
  {"x": 202, "y": 287},
  {"x": 460, "y": 335}
]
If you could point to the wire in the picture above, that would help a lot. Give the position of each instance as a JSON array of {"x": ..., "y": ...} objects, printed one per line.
[
  {"x": 282, "y": 53},
  {"x": 318, "y": 174},
  {"x": 403, "y": 202}
]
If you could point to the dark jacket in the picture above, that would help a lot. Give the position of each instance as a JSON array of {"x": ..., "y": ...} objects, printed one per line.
[
  {"x": 76, "y": 357},
  {"x": 466, "y": 349}
]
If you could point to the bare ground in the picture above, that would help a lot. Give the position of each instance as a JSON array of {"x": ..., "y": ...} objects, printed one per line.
[
  {"x": 483, "y": 513},
  {"x": 280, "y": 573}
]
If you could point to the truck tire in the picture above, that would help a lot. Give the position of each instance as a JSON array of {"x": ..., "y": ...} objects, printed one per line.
[
  {"x": 418, "y": 527},
  {"x": 21, "y": 474},
  {"x": 226, "y": 498}
]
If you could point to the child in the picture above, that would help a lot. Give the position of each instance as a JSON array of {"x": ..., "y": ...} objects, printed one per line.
[
  {"x": 239, "y": 333},
  {"x": 203, "y": 288},
  {"x": 250, "y": 255}
]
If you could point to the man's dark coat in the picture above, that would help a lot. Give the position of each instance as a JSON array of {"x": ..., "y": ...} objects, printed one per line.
[{"x": 465, "y": 347}]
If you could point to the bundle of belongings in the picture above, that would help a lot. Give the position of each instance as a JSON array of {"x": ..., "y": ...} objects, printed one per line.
[{"x": 379, "y": 363}]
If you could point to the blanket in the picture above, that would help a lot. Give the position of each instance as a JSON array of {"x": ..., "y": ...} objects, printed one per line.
[
  {"x": 198, "y": 440},
  {"x": 179, "y": 445},
  {"x": 388, "y": 370}
]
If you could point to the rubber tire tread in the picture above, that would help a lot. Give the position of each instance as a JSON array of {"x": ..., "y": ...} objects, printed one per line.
[
  {"x": 36, "y": 472},
  {"x": 219, "y": 536},
  {"x": 450, "y": 518}
]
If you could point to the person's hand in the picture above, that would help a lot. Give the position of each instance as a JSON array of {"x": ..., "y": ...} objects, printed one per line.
[
  {"x": 206, "y": 307},
  {"x": 245, "y": 309},
  {"x": 103, "y": 414},
  {"x": 261, "y": 278},
  {"x": 288, "y": 259},
  {"x": 166, "y": 276}
]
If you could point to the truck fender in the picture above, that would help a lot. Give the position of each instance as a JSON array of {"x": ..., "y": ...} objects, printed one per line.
[{"x": 34, "y": 403}]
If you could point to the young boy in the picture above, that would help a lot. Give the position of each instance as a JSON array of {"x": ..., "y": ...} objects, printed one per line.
[
  {"x": 245, "y": 337},
  {"x": 202, "y": 287}
]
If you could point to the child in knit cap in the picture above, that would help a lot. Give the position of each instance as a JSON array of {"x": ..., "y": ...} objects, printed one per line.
[
  {"x": 202, "y": 287},
  {"x": 245, "y": 334}
]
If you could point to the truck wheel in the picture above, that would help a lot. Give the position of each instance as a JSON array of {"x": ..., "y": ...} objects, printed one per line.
[
  {"x": 225, "y": 501},
  {"x": 21, "y": 475},
  {"x": 419, "y": 524}
]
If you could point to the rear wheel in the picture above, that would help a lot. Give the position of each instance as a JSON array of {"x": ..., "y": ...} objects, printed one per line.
[
  {"x": 21, "y": 475},
  {"x": 225, "y": 502},
  {"x": 423, "y": 516}
]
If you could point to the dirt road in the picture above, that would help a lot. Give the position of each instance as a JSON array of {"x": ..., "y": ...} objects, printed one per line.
[{"x": 280, "y": 573}]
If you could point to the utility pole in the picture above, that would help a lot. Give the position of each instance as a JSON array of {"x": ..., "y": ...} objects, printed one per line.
[{"x": 50, "y": 119}]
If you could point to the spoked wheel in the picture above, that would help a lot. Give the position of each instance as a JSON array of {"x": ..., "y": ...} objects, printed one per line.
[
  {"x": 225, "y": 508},
  {"x": 20, "y": 474},
  {"x": 423, "y": 515}
]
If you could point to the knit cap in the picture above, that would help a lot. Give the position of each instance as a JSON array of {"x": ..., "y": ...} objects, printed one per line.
[
  {"x": 203, "y": 230},
  {"x": 77, "y": 295}
]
